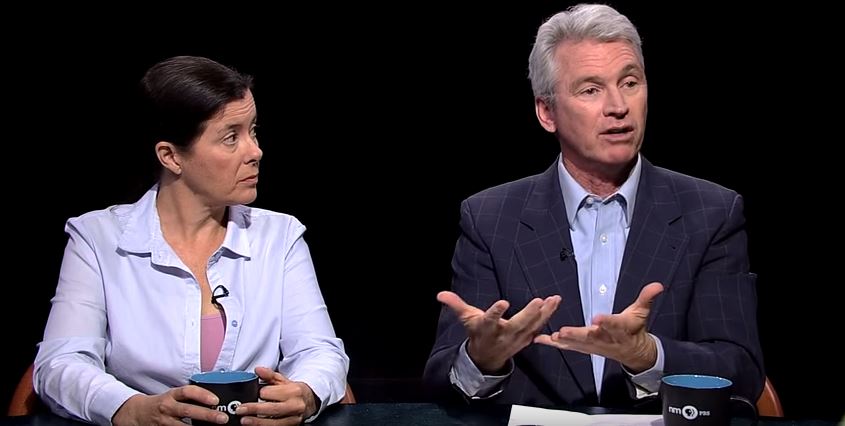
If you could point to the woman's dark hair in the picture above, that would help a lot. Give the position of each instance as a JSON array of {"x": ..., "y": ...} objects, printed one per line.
[{"x": 183, "y": 92}]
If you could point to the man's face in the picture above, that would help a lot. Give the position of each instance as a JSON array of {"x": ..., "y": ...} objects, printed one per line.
[{"x": 599, "y": 109}]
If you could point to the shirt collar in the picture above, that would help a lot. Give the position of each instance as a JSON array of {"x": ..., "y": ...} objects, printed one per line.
[
  {"x": 142, "y": 228},
  {"x": 574, "y": 193}
]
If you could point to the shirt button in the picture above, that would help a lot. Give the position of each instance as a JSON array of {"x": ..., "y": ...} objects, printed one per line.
[
  {"x": 234, "y": 323},
  {"x": 589, "y": 201},
  {"x": 604, "y": 238},
  {"x": 602, "y": 289}
]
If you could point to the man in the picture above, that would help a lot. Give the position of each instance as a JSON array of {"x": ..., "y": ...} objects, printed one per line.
[{"x": 603, "y": 273}]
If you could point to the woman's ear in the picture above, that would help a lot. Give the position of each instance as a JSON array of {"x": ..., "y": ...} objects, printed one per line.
[{"x": 169, "y": 157}]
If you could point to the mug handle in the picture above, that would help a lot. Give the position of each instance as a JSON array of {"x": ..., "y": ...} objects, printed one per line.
[{"x": 749, "y": 404}]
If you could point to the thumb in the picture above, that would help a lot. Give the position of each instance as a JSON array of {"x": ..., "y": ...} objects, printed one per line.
[
  {"x": 270, "y": 376},
  {"x": 454, "y": 302},
  {"x": 647, "y": 295}
]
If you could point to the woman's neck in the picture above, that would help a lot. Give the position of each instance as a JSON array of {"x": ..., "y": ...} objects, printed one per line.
[{"x": 184, "y": 217}]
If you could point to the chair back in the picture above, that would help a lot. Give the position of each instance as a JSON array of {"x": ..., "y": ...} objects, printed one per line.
[
  {"x": 24, "y": 401},
  {"x": 769, "y": 403},
  {"x": 348, "y": 397}
]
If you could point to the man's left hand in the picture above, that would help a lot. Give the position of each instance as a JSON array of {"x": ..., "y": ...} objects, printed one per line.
[{"x": 622, "y": 337}]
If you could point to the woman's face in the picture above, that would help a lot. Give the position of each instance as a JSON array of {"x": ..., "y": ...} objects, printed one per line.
[{"x": 221, "y": 166}]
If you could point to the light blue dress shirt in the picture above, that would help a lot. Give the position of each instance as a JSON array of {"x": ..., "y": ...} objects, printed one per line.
[
  {"x": 599, "y": 229},
  {"x": 126, "y": 315}
]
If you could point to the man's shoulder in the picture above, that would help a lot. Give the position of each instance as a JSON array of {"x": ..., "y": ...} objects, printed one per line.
[
  {"x": 694, "y": 191},
  {"x": 513, "y": 193}
]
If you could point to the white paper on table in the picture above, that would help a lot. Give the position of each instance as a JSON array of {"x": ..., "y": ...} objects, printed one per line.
[{"x": 523, "y": 415}]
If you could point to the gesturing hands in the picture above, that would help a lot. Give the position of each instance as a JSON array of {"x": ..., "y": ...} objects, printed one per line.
[
  {"x": 287, "y": 402},
  {"x": 622, "y": 337},
  {"x": 492, "y": 339}
]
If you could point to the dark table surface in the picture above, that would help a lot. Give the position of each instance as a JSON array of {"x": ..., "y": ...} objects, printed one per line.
[{"x": 405, "y": 414}]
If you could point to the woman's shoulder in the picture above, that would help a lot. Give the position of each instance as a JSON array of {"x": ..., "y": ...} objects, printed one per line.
[
  {"x": 259, "y": 219},
  {"x": 118, "y": 216},
  {"x": 112, "y": 217},
  {"x": 108, "y": 214}
]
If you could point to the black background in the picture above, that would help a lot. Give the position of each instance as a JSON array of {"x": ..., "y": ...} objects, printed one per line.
[{"x": 377, "y": 122}]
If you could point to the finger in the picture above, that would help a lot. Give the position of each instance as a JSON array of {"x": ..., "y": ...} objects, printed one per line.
[
  {"x": 551, "y": 303},
  {"x": 647, "y": 295},
  {"x": 574, "y": 335},
  {"x": 609, "y": 322},
  {"x": 549, "y": 307},
  {"x": 280, "y": 392},
  {"x": 172, "y": 421},
  {"x": 294, "y": 407},
  {"x": 545, "y": 339},
  {"x": 454, "y": 302},
  {"x": 182, "y": 410},
  {"x": 495, "y": 312},
  {"x": 270, "y": 376},
  {"x": 528, "y": 315},
  {"x": 581, "y": 339},
  {"x": 194, "y": 393},
  {"x": 263, "y": 421},
  {"x": 207, "y": 414},
  {"x": 257, "y": 409}
]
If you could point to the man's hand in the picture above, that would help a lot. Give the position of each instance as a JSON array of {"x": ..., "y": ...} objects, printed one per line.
[
  {"x": 287, "y": 402},
  {"x": 621, "y": 337},
  {"x": 493, "y": 340},
  {"x": 169, "y": 408}
]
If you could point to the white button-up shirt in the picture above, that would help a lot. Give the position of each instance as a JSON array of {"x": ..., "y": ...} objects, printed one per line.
[{"x": 126, "y": 315}]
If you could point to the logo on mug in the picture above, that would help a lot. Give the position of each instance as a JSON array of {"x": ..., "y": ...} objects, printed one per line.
[
  {"x": 230, "y": 408},
  {"x": 689, "y": 412}
]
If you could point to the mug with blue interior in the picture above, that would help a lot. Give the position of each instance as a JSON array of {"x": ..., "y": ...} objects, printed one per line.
[
  {"x": 698, "y": 400},
  {"x": 233, "y": 388}
]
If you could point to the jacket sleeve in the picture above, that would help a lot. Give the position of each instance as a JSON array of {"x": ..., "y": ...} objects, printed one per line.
[
  {"x": 474, "y": 280},
  {"x": 722, "y": 337}
]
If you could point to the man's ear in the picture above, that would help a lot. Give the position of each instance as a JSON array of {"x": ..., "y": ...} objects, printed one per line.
[
  {"x": 545, "y": 114},
  {"x": 169, "y": 157}
]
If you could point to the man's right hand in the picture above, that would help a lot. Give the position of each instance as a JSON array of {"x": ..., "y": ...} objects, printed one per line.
[
  {"x": 169, "y": 408},
  {"x": 493, "y": 340}
]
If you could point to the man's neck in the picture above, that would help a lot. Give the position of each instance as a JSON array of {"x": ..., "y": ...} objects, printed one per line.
[{"x": 599, "y": 180}]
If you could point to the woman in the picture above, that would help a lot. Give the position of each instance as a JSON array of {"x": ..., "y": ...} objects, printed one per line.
[{"x": 188, "y": 279}]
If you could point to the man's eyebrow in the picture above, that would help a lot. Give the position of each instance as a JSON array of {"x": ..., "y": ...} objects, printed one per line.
[
  {"x": 587, "y": 79},
  {"x": 632, "y": 68}
]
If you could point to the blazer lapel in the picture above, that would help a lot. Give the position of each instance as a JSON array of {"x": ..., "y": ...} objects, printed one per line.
[
  {"x": 652, "y": 252},
  {"x": 542, "y": 248},
  {"x": 654, "y": 246}
]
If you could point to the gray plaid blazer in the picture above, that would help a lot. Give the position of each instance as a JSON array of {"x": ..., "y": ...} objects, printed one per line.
[{"x": 687, "y": 233}]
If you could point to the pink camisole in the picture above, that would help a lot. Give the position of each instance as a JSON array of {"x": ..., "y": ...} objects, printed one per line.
[{"x": 212, "y": 332}]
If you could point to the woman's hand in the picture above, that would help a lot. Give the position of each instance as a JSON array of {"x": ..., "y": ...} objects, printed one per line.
[
  {"x": 169, "y": 408},
  {"x": 286, "y": 402}
]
